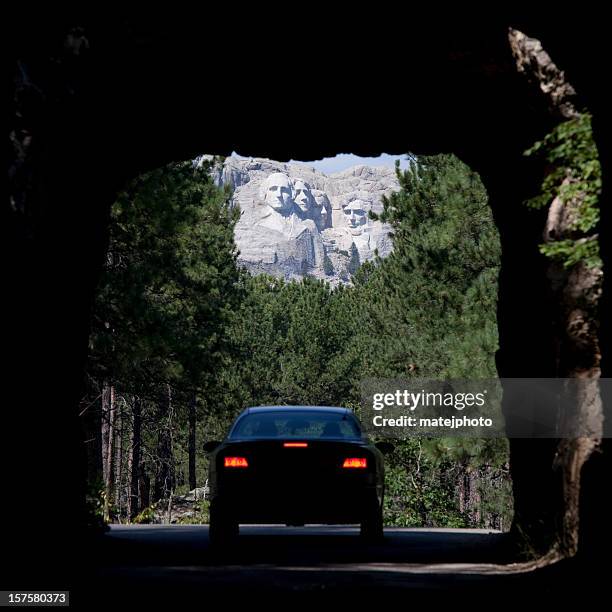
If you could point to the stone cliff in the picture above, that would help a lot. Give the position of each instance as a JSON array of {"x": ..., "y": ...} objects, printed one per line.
[{"x": 297, "y": 221}]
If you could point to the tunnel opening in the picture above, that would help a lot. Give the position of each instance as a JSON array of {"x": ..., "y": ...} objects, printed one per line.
[{"x": 214, "y": 297}]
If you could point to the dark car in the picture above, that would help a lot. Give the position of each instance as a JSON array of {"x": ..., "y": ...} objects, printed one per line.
[{"x": 295, "y": 465}]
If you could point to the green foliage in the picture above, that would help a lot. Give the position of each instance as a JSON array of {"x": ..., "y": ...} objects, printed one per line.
[
  {"x": 436, "y": 293},
  {"x": 570, "y": 252},
  {"x": 94, "y": 500},
  {"x": 285, "y": 336},
  {"x": 574, "y": 176},
  {"x": 418, "y": 494},
  {"x": 169, "y": 284},
  {"x": 146, "y": 516}
]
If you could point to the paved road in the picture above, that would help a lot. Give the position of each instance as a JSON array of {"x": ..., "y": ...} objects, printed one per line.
[{"x": 175, "y": 563}]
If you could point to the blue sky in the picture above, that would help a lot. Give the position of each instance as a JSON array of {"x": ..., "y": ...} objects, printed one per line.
[{"x": 342, "y": 161}]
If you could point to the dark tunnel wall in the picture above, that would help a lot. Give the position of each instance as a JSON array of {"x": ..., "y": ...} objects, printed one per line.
[{"x": 96, "y": 104}]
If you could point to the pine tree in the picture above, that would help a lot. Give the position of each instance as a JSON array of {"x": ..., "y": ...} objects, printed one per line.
[
  {"x": 168, "y": 289},
  {"x": 354, "y": 261},
  {"x": 328, "y": 266}
]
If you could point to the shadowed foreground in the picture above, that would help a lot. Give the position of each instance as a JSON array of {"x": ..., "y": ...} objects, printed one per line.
[{"x": 174, "y": 564}]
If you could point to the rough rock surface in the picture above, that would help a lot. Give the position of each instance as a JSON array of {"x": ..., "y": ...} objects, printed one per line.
[{"x": 297, "y": 221}]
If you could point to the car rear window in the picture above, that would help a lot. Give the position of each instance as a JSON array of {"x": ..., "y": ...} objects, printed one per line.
[{"x": 297, "y": 424}]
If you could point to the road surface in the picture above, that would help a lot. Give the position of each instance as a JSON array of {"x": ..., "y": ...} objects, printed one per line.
[{"x": 175, "y": 564}]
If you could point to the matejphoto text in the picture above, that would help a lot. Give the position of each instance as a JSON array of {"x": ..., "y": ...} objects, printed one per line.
[{"x": 448, "y": 423}]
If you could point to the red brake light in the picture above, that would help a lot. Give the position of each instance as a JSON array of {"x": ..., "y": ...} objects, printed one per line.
[
  {"x": 355, "y": 462},
  {"x": 236, "y": 462},
  {"x": 295, "y": 444}
]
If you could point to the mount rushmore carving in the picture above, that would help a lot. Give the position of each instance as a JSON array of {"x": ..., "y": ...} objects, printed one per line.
[{"x": 296, "y": 221}]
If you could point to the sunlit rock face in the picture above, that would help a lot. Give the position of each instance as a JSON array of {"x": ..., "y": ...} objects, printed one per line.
[{"x": 296, "y": 221}]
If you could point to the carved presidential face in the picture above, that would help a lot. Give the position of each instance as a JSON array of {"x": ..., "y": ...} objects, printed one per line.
[
  {"x": 303, "y": 196},
  {"x": 324, "y": 215},
  {"x": 277, "y": 192},
  {"x": 322, "y": 208},
  {"x": 356, "y": 216}
]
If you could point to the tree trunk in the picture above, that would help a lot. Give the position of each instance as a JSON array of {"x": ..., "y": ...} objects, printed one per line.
[
  {"x": 474, "y": 498},
  {"x": 575, "y": 294},
  {"x": 164, "y": 481},
  {"x": 108, "y": 438},
  {"x": 192, "y": 442},
  {"x": 118, "y": 458},
  {"x": 91, "y": 419},
  {"x": 135, "y": 460},
  {"x": 144, "y": 487},
  {"x": 104, "y": 422},
  {"x": 461, "y": 490}
]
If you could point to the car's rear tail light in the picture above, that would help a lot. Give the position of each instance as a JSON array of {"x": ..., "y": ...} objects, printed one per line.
[
  {"x": 355, "y": 462},
  {"x": 295, "y": 444},
  {"x": 235, "y": 462}
]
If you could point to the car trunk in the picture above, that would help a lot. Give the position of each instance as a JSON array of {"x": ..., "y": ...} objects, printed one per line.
[{"x": 292, "y": 482}]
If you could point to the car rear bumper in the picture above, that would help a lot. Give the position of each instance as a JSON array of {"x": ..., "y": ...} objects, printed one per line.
[{"x": 298, "y": 505}]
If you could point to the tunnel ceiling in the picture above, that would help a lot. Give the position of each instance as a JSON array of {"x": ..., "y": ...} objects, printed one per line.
[{"x": 146, "y": 92}]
